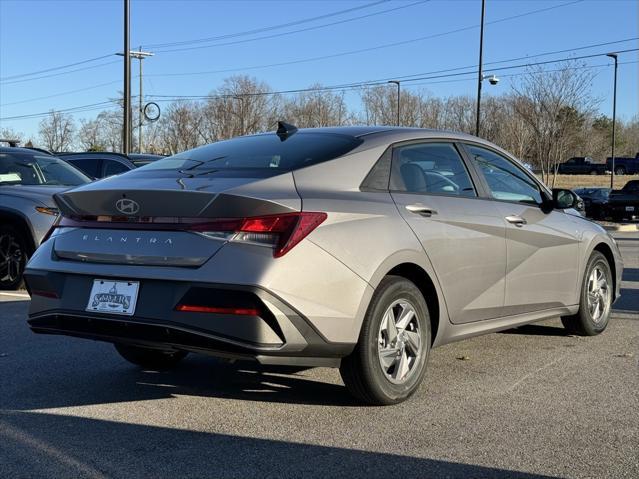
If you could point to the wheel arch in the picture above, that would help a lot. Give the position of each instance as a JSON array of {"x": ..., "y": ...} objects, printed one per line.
[
  {"x": 605, "y": 250},
  {"x": 19, "y": 222}
]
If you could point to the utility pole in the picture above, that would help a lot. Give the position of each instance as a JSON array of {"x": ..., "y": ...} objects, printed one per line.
[
  {"x": 614, "y": 120},
  {"x": 126, "y": 123},
  {"x": 140, "y": 55},
  {"x": 397, "y": 82},
  {"x": 481, "y": 73}
]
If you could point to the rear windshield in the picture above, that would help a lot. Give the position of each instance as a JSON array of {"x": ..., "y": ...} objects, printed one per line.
[
  {"x": 26, "y": 168},
  {"x": 261, "y": 152}
]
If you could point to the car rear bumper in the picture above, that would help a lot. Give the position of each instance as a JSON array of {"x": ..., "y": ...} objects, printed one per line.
[{"x": 279, "y": 334}]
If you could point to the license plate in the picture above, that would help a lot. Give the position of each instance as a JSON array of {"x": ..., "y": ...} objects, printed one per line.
[
  {"x": 630, "y": 208},
  {"x": 114, "y": 297}
]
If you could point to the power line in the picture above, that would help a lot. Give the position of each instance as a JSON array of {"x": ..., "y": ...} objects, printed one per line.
[
  {"x": 59, "y": 74},
  {"x": 69, "y": 92},
  {"x": 276, "y": 35},
  {"x": 62, "y": 67},
  {"x": 368, "y": 49},
  {"x": 426, "y": 76},
  {"x": 265, "y": 29}
]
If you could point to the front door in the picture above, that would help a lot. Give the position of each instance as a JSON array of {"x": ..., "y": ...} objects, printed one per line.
[
  {"x": 542, "y": 247},
  {"x": 462, "y": 234}
]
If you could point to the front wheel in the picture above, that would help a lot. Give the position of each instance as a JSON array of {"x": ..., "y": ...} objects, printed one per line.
[
  {"x": 595, "y": 300},
  {"x": 13, "y": 257},
  {"x": 148, "y": 358},
  {"x": 389, "y": 361}
]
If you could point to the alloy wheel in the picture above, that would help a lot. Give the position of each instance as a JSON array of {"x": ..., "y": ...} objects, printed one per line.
[
  {"x": 598, "y": 294},
  {"x": 10, "y": 258},
  {"x": 399, "y": 345}
]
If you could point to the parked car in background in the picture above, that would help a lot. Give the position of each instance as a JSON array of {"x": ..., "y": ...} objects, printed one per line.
[
  {"x": 624, "y": 165},
  {"x": 595, "y": 201},
  {"x": 624, "y": 203},
  {"x": 28, "y": 181},
  {"x": 581, "y": 165},
  {"x": 355, "y": 247},
  {"x": 103, "y": 164}
]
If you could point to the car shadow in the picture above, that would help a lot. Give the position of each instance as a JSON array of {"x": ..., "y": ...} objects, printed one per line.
[
  {"x": 628, "y": 302},
  {"x": 537, "y": 330},
  {"x": 51, "y": 445},
  {"x": 119, "y": 381}
]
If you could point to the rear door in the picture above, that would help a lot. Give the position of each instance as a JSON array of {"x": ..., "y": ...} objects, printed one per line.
[
  {"x": 542, "y": 247},
  {"x": 462, "y": 233}
]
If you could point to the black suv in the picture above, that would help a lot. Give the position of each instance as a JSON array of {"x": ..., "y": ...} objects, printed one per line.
[{"x": 102, "y": 164}]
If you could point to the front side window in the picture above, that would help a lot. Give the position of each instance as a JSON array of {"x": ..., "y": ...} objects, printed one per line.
[
  {"x": 505, "y": 180},
  {"x": 430, "y": 168},
  {"x": 27, "y": 168}
]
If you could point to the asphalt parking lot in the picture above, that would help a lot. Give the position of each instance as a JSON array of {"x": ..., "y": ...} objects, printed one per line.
[{"x": 529, "y": 402}]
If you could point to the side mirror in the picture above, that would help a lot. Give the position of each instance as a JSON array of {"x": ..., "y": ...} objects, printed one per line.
[{"x": 564, "y": 199}]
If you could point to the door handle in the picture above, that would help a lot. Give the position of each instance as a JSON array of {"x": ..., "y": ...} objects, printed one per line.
[
  {"x": 421, "y": 210},
  {"x": 516, "y": 220}
]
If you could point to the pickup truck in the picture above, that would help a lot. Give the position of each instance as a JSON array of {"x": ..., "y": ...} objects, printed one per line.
[
  {"x": 624, "y": 165},
  {"x": 624, "y": 203},
  {"x": 581, "y": 165}
]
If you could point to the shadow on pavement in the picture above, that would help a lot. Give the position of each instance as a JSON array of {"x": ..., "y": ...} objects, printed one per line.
[
  {"x": 50, "y": 445},
  {"x": 195, "y": 376},
  {"x": 538, "y": 330},
  {"x": 630, "y": 274},
  {"x": 628, "y": 302}
]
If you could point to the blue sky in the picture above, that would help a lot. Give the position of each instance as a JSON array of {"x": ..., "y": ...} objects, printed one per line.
[{"x": 37, "y": 35}]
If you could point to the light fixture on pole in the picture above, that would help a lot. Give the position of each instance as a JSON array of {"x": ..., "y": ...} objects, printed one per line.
[
  {"x": 397, "y": 82},
  {"x": 139, "y": 55},
  {"x": 614, "y": 120}
]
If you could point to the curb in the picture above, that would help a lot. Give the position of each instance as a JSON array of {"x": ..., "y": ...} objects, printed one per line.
[{"x": 622, "y": 228}]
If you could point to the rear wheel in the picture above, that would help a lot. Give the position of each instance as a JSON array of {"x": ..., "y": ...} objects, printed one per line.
[
  {"x": 389, "y": 361},
  {"x": 593, "y": 172},
  {"x": 595, "y": 301},
  {"x": 13, "y": 257},
  {"x": 150, "y": 358},
  {"x": 620, "y": 171}
]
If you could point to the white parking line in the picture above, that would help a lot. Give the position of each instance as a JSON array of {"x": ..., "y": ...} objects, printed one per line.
[{"x": 19, "y": 295}]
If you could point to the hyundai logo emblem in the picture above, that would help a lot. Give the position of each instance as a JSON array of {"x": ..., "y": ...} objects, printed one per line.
[{"x": 126, "y": 206}]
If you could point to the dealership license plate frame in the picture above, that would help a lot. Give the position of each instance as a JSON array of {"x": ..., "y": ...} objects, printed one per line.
[{"x": 110, "y": 296}]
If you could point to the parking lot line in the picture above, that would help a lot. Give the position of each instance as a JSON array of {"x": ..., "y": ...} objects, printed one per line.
[{"x": 17, "y": 295}]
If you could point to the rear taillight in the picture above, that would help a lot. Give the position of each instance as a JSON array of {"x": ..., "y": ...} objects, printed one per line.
[
  {"x": 281, "y": 232},
  {"x": 192, "y": 308},
  {"x": 55, "y": 224}
]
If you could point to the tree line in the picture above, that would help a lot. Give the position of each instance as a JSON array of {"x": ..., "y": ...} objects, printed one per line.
[{"x": 545, "y": 117}]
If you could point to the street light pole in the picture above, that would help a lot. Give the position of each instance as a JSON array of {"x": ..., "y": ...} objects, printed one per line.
[
  {"x": 397, "y": 82},
  {"x": 126, "y": 123},
  {"x": 614, "y": 120},
  {"x": 481, "y": 73}
]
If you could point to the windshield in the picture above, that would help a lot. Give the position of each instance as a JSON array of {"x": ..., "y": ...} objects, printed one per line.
[
  {"x": 260, "y": 152},
  {"x": 27, "y": 168}
]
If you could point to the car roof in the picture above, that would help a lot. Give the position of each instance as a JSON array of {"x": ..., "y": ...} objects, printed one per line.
[{"x": 19, "y": 149}]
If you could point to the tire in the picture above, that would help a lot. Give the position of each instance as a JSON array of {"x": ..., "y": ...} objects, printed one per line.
[
  {"x": 362, "y": 371},
  {"x": 586, "y": 322},
  {"x": 150, "y": 358},
  {"x": 13, "y": 257},
  {"x": 620, "y": 171}
]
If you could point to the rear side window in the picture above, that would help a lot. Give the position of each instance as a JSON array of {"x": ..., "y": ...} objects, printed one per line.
[
  {"x": 89, "y": 165},
  {"x": 112, "y": 167},
  {"x": 434, "y": 168},
  {"x": 260, "y": 152}
]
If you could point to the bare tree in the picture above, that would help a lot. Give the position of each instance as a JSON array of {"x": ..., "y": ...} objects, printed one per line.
[
  {"x": 56, "y": 131},
  {"x": 550, "y": 103},
  {"x": 316, "y": 109},
  {"x": 11, "y": 134}
]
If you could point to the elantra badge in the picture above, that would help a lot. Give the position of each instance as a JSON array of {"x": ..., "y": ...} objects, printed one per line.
[{"x": 127, "y": 206}]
